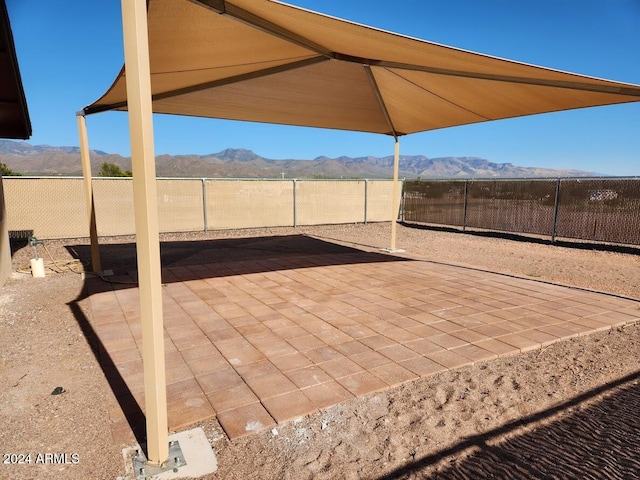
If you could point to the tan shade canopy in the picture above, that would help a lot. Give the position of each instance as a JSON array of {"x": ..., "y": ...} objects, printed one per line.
[{"x": 266, "y": 61}]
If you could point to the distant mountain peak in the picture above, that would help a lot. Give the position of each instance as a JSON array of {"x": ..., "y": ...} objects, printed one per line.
[{"x": 238, "y": 154}]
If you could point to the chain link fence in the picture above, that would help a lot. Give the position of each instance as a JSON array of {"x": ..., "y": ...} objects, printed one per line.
[
  {"x": 45, "y": 207},
  {"x": 604, "y": 210},
  {"x": 248, "y": 203},
  {"x": 56, "y": 208},
  {"x": 511, "y": 205},
  {"x": 595, "y": 209},
  {"x": 592, "y": 209}
]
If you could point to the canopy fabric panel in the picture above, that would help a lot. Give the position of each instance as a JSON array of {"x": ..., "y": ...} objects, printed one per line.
[{"x": 266, "y": 61}]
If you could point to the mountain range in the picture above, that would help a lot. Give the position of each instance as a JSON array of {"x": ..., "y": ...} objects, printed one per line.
[{"x": 45, "y": 160}]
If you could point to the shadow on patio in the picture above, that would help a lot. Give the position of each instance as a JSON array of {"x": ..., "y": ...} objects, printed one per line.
[
  {"x": 114, "y": 329},
  {"x": 259, "y": 331},
  {"x": 245, "y": 253}
]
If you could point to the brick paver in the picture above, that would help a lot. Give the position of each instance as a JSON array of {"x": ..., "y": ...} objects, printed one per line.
[{"x": 261, "y": 343}]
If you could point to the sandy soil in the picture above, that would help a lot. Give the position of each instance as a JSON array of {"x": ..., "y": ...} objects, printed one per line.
[{"x": 567, "y": 411}]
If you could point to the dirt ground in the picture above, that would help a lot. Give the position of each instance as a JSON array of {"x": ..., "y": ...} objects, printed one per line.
[{"x": 569, "y": 410}]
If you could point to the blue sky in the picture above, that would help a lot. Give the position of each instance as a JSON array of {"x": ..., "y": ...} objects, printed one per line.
[{"x": 71, "y": 50}]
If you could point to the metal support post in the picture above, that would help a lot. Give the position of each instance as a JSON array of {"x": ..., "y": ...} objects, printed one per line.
[
  {"x": 394, "y": 200},
  {"x": 136, "y": 46},
  {"x": 85, "y": 158}
]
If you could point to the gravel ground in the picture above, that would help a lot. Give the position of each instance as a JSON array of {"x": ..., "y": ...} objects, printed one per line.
[{"x": 567, "y": 411}]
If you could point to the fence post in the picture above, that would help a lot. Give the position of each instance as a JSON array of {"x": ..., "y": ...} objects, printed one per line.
[
  {"x": 366, "y": 198},
  {"x": 204, "y": 205},
  {"x": 402, "y": 192},
  {"x": 464, "y": 209},
  {"x": 295, "y": 202},
  {"x": 555, "y": 211}
]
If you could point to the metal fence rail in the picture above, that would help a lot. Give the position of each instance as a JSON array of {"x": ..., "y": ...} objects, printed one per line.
[{"x": 596, "y": 209}]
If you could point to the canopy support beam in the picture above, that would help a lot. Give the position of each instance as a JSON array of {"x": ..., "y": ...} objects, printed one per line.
[
  {"x": 85, "y": 157},
  {"x": 248, "y": 18},
  {"x": 218, "y": 83},
  {"x": 383, "y": 106},
  {"x": 224, "y": 8},
  {"x": 136, "y": 46}
]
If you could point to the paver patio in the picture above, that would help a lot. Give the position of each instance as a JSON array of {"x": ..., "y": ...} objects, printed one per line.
[{"x": 264, "y": 340}]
